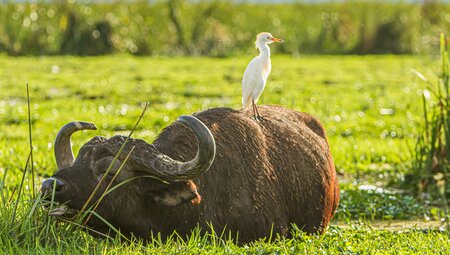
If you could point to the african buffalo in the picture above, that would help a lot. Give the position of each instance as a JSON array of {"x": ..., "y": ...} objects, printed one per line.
[{"x": 220, "y": 168}]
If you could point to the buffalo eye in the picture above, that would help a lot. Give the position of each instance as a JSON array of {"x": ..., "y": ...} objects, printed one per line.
[{"x": 101, "y": 166}]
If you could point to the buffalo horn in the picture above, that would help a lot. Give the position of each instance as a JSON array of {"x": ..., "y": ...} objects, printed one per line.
[
  {"x": 63, "y": 147},
  {"x": 170, "y": 169}
]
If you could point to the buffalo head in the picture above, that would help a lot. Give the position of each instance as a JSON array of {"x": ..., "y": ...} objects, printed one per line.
[{"x": 148, "y": 178}]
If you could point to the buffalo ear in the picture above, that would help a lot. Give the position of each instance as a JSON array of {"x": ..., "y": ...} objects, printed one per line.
[{"x": 177, "y": 193}]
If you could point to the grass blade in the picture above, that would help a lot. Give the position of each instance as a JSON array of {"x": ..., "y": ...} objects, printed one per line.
[
  {"x": 3, "y": 186},
  {"x": 20, "y": 189},
  {"x": 31, "y": 143}
]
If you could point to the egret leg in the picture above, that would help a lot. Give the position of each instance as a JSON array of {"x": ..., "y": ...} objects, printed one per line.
[
  {"x": 258, "y": 116},
  {"x": 254, "y": 110}
]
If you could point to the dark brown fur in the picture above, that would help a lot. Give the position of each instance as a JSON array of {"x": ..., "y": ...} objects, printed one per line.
[{"x": 268, "y": 174}]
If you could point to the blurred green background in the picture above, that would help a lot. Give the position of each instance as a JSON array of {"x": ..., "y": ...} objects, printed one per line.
[{"x": 219, "y": 28}]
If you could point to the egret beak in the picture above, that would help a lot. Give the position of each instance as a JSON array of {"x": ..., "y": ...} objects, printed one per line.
[{"x": 274, "y": 39}]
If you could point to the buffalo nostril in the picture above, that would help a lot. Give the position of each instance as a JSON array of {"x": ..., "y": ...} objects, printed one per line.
[{"x": 47, "y": 185}]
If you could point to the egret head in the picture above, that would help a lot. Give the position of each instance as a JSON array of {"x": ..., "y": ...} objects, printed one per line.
[{"x": 266, "y": 38}]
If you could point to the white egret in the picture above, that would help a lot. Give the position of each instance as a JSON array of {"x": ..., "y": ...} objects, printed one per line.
[{"x": 256, "y": 73}]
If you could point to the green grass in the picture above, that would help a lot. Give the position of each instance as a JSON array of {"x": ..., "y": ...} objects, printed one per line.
[
  {"x": 359, "y": 240},
  {"x": 370, "y": 106}
]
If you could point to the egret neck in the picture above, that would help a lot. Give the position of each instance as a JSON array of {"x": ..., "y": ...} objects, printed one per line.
[
  {"x": 264, "y": 54},
  {"x": 264, "y": 50}
]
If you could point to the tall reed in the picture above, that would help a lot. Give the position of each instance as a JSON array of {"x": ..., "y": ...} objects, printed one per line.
[{"x": 431, "y": 169}]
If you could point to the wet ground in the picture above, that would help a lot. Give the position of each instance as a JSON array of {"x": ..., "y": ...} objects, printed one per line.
[{"x": 395, "y": 225}]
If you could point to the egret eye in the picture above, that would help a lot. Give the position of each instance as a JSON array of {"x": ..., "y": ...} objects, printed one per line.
[{"x": 268, "y": 37}]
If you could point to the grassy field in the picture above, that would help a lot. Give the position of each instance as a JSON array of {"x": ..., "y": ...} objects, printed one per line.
[{"x": 370, "y": 106}]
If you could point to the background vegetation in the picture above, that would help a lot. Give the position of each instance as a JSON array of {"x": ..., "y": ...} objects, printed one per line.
[{"x": 218, "y": 28}]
